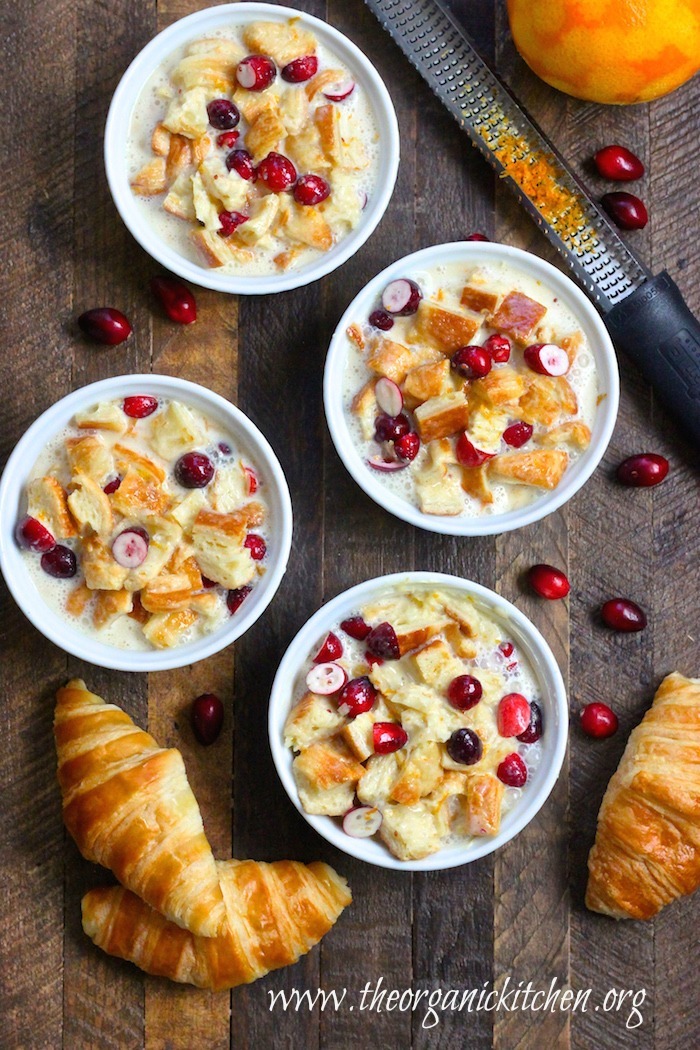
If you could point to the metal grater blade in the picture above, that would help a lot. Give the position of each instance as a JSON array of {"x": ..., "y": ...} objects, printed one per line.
[{"x": 442, "y": 53}]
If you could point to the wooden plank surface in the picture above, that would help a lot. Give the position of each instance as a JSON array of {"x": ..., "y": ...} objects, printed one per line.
[{"x": 518, "y": 915}]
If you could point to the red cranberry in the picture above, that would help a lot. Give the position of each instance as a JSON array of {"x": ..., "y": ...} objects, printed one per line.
[
  {"x": 252, "y": 479},
  {"x": 407, "y": 447},
  {"x": 372, "y": 660},
  {"x": 472, "y": 362},
  {"x": 223, "y": 115},
  {"x": 277, "y": 172},
  {"x": 498, "y": 346},
  {"x": 60, "y": 561},
  {"x": 256, "y": 545},
  {"x": 512, "y": 771},
  {"x": 31, "y": 535},
  {"x": 139, "y": 406},
  {"x": 130, "y": 547},
  {"x": 464, "y": 746},
  {"x": 598, "y": 720},
  {"x": 621, "y": 614},
  {"x": 330, "y": 651},
  {"x": 547, "y": 359},
  {"x": 235, "y": 598},
  {"x": 382, "y": 320},
  {"x": 208, "y": 584},
  {"x": 618, "y": 164},
  {"x": 390, "y": 428},
  {"x": 356, "y": 697},
  {"x": 517, "y": 434},
  {"x": 228, "y": 139},
  {"x": 112, "y": 486},
  {"x": 230, "y": 221},
  {"x": 534, "y": 731},
  {"x": 626, "y": 210},
  {"x": 256, "y": 72},
  {"x": 207, "y": 717},
  {"x": 464, "y": 692},
  {"x": 105, "y": 325},
  {"x": 240, "y": 160},
  {"x": 356, "y": 628},
  {"x": 643, "y": 471},
  {"x": 513, "y": 715},
  {"x": 507, "y": 648},
  {"x": 382, "y": 641},
  {"x": 548, "y": 582},
  {"x": 300, "y": 70},
  {"x": 311, "y": 189},
  {"x": 194, "y": 470},
  {"x": 401, "y": 297},
  {"x": 388, "y": 737},
  {"x": 468, "y": 454},
  {"x": 224, "y": 448},
  {"x": 176, "y": 299},
  {"x": 477, "y": 237}
]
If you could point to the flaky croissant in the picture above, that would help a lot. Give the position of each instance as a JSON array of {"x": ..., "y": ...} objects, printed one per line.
[
  {"x": 275, "y": 914},
  {"x": 129, "y": 806},
  {"x": 647, "y": 846}
]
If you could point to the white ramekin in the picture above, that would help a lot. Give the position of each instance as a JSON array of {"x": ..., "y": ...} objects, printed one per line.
[
  {"x": 474, "y": 253},
  {"x": 200, "y": 24},
  {"x": 554, "y": 713},
  {"x": 252, "y": 445}
]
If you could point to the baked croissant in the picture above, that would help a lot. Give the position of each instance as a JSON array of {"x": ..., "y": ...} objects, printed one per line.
[
  {"x": 275, "y": 914},
  {"x": 129, "y": 806},
  {"x": 647, "y": 846}
]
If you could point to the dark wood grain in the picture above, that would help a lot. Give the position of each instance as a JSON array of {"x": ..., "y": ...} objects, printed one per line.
[{"x": 518, "y": 914}]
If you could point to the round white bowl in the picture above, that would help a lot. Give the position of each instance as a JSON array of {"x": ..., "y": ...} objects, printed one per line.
[
  {"x": 252, "y": 445},
  {"x": 119, "y": 120},
  {"x": 554, "y": 713},
  {"x": 472, "y": 253}
]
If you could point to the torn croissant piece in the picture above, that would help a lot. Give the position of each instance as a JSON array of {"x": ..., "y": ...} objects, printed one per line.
[
  {"x": 128, "y": 805},
  {"x": 647, "y": 846},
  {"x": 275, "y": 913}
]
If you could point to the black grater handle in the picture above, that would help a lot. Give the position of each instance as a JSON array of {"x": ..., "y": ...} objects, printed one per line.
[{"x": 655, "y": 329}]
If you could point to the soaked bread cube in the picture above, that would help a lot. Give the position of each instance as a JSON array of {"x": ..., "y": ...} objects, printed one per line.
[
  {"x": 217, "y": 540},
  {"x": 325, "y": 78},
  {"x": 541, "y": 468},
  {"x": 305, "y": 224},
  {"x": 175, "y": 430},
  {"x": 90, "y": 456},
  {"x": 438, "y": 487},
  {"x": 338, "y": 141},
  {"x": 326, "y": 774},
  {"x": 109, "y": 605},
  {"x": 547, "y": 399},
  {"x": 89, "y": 506},
  {"x": 486, "y": 426},
  {"x": 164, "y": 537},
  {"x": 229, "y": 488},
  {"x": 105, "y": 416},
  {"x": 392, "y": 360},
  {"x": 358, "y": 734},
  {"x": 179, "y": 157},
  {"x": 265, "y": 135},
  {"x": 293, "y": 111},
  {"x": 313, "y": 718},
  {"x": 379, "y": 776},
  {"x": 187, "y": 114},
  {"x": 420, "y": 775},
  {"x": 151, "y": 179},
  {"x": 164, "y": 630},
  {"x": 574, "y": 433},
  {"x": 502, "y": 386},
  {"x": 444, "y": 328},
  {"x": 428, "y": 381},
  {"x": 475, "y": 482},
  {"x": 304, "y": 149},
  {"x": 518, "y": 316},
  {"x": 437, "y": 665},
  {"x": 365, "y": 407},
  {"x": 410, "y": 832},
  {"x": 221, "y": 184},
  {"x": 442, "y": 416},
  {"x": 479, "y": 300},
  {"x": 206, "y": 209},
  {"x": 214, "y": 70},
  {"x": 127, "y": 457},
  {"x": 484, "y": 800},
  {"x": 283, "y": 41},
  {"x": 414, "y": 619},
  {"x": 179, "y": 200},
  {"x": 102, "y": 573},
  {"x": 262, "y": 216},
  {"x": 46, "y": 501},
  {"x": 138, "y": 497}
]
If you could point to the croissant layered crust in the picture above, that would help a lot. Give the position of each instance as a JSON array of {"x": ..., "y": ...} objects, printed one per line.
[
  {"x": 129, "y": 806},
  {"x": 647, "y": 846},
  {"x": 275, "y": 913}
]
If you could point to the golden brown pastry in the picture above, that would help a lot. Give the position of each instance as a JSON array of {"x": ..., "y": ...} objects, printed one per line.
[
  {"x": 275, "y": 914},
  {"x": 128, "y": 805},
  {"x": 647, "y": 847}
]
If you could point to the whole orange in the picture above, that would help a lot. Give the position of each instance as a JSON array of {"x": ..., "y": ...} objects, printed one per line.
[{"x": 615, "y": 51}]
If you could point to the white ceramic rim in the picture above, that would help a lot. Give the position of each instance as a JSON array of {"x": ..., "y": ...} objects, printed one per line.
[
  {"x": 555, "y": 715},
  {"x": 249, "y": 440},
  {"x": 601, "y": 347},
  {"x": 119, "y": 117}
]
